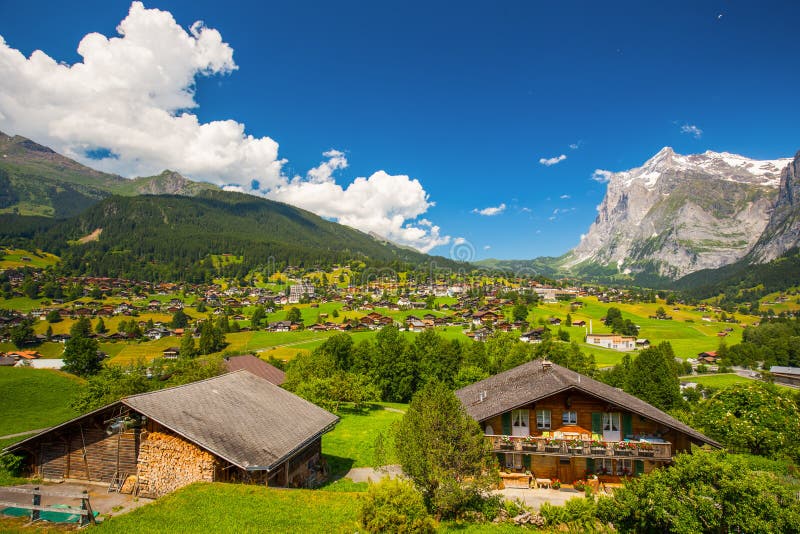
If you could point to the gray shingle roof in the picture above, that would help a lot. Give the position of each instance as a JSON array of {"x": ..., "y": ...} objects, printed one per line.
[
  {"x": 533, "y": 381},
  {"x": 238, "y": 416},
  {"x": 257, "y": 366}
]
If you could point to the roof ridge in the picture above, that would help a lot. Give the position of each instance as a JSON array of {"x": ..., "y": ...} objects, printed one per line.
[{"x": 137, "y": 395}]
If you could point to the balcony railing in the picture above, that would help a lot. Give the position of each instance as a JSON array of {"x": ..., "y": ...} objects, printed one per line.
[{"x": 581, "y": 447}]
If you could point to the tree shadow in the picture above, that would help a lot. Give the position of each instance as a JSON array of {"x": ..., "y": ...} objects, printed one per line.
[{"x": 338, "y": 467}]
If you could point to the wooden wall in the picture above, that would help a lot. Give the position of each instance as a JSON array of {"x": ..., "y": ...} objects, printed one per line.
[
  {"x": 84, "y": 451},
  {"x": 585, "y": 405}
]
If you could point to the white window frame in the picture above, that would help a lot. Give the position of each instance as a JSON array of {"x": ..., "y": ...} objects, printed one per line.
[
  {"x": 609, "y": 420},
  {"x": 543, "y": 419},
  {"x": 569, "y": 417}
]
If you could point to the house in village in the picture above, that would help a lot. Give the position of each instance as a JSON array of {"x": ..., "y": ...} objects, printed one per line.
[
  {"x": 257, "y": 366},
  {"x": 612, "y": 341},
  {"x": 556, "y": 423},
  {"x": 789, "y": 376},
  {"x": 233, "y": 427}
]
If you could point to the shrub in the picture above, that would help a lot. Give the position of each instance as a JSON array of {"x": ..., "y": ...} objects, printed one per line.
[
  {"x": 395, "y": 506},
  {"x": 578, "y": 513},
  {"x": 11, "y": 464}
]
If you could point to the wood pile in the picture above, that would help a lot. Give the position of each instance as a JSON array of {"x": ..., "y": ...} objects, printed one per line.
[
  {"x": 129, "y": 485},
  {"x": 168, "y": 462}
]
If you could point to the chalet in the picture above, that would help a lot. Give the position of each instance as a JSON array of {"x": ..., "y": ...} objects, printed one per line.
[
  {"x": 171, "y": 353},
  {"x": 24, "y": 355},
  {"x": 557, "y": 423},
  {"x": 555, "y": 321},
  {"x": 789, "y": 376},
  {"x": 707, "y": 357},
  {"x": 612, "y": 341},
  {"x": 236, "y": 427},
  {"x": 532, "y": 336},
  {"x": 642, "y": 343},
  {"x": 483, "y": 317},
  {"x": 257, "y": 366}
]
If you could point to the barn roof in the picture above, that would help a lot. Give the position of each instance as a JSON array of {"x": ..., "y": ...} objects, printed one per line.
[
  {"x": 239, "y": 417},
  {"x": 537, "y": 380},
  {"x": 257, "y": 366}
]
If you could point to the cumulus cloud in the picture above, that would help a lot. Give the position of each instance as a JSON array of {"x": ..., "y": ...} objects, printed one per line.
[
  {"x": 487, "y": 247},
  {"x": 565, "y": 197},
  {"x": 601, "y": 176},
  {"x": 692, "y": 130},
  {"x": 575, "y": 146},
  {"x": 547, "y": 162},
  {"x": 382, "y": 203},
  {"x": 126, "y": 108},
  {"x": 491, "y": 210}
]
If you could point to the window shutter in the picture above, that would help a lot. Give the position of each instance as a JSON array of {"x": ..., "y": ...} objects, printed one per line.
[
  {"x": 589, "y": 466},
  {"x": 501, "y": 459},
  {"x": 627, "y": 425},
  {"x": 507, "y": 423},
  {"x": 638, "y": 468},
  {"x": 526, "y": 461},
  {"x": 597, "y": 423}
]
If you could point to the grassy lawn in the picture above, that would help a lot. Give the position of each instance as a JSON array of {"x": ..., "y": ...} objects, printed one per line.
[
  {"x": 12, "y": 259},
  {"x": 241, "y": 508},
  {"x": 720, "y": 381},
  {"x": 351, "y": 443},
  {"x": 35, "y": 398}
]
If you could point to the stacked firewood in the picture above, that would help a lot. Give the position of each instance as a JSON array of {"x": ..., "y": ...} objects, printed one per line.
[{"x": 168, "y": 462}]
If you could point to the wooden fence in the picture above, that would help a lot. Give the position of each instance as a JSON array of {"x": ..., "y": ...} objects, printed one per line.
[{"x": 85, "y": 510}]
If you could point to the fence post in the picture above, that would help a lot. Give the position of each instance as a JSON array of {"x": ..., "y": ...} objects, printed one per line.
[
  {"x": 87, "y": 507},
  {"x": 37, "y": 501}
]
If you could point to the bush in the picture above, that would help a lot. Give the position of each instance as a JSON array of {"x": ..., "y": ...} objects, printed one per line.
[
  {"x": 576, "y": 512},
  {"x": 395, "y": 506},
  {"x": 11, "y": 464}
]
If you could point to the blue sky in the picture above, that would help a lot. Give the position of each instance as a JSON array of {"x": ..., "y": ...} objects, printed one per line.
[{"x": 465, "y": 98}]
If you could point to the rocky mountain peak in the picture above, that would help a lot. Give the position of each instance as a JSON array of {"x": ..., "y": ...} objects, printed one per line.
[{"x": 680, "y": 213}]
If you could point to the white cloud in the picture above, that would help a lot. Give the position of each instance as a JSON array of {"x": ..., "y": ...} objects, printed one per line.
[
  {"x": 599, "y": 175},
  {"x": 552, "y": 161},
  {"x": 487, "y": 247},
  {"x": 382, "y": 203},
  {"x": 525, "y": 210},
  {"x": 490, "y": 211},
  {"x": 459, "y": 241},
  {"x": 692, "y": 130},
  {"x": 565, "y": 197},
  {"x": 575, "y": 146},
  {"x": 583, "y": 236},
  {"x": 132, "y": 96}
]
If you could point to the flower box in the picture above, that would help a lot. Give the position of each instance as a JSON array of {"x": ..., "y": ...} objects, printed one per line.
[
  {"x": 622, "y": 452},
  {"x": 552, "y": 448},
  {"x": 528, "y": 446},
  {"x": 576, "y": 450},
  {"x": 598, "y": 450},
  {"x": 647, "y": 453},
  {"x": 507, "y": 446}
]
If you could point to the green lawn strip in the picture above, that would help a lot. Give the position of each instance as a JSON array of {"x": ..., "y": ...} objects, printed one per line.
[
  {"x": 351, "y": 443},
  {"x": 722, "y": 380},
  {"x": 35, "y": 398},
  {"x": 241, "y": 508},
  {"x": 21, "y": 304}
]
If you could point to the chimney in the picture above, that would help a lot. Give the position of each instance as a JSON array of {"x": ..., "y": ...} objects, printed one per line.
[{"x": 546, "y": 365}]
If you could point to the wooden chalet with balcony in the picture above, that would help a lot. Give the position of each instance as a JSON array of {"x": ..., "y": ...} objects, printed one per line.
[{"x": 556, "y": 423}]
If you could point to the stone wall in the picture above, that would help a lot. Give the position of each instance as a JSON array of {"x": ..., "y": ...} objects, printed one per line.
[{"x": 167, "y": 462}]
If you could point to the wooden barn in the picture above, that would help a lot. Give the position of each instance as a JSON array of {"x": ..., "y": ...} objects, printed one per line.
[{"x": 234, "y": 427}]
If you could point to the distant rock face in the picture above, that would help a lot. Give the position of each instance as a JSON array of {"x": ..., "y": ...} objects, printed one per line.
[
  {"x": 678, "y": 214},
  {"x": 783, "y": 230},
  {"x": 169, "y": 183}
]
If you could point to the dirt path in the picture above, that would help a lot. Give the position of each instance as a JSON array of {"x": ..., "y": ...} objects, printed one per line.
[
  {"x": 365, "y": 474},
  {"x": 20, "y": 434}
]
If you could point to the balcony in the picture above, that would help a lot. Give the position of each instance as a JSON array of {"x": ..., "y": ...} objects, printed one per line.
[{"x": 541, "y": 446}]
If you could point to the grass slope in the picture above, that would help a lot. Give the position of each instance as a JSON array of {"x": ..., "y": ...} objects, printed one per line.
[
  {"x": 352, "y": 442},
  {"x": 35, "y": 398},
  {"x": 241, "y": 508}
]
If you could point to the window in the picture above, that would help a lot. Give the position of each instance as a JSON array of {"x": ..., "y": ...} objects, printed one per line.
[
  {"x": 569, "y": 418},
  {"x": 519, "y": 418},
  {"x": 543, "y": 419},
  {"x": 611, "y": 422}
]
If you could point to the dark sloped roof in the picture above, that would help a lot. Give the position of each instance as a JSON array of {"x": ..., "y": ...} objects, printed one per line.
[
  {"x": 536, "y": 380},
  {"x": 257, "y": 366},
  {"x": 238, "y": 416}
]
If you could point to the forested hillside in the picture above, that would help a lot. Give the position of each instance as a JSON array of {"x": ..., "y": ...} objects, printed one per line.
[{"x": 172, "y": 237}]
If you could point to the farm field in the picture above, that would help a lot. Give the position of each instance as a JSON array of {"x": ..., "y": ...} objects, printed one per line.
[
  {"x": 11, "y": 258},
  {"x": 34, "y": 398}
]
